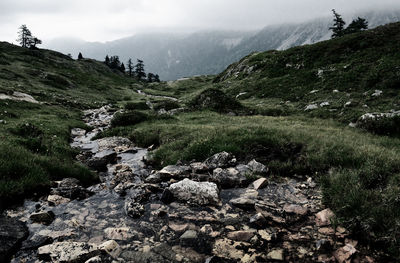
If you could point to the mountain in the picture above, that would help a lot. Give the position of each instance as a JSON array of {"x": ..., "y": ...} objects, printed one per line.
[{"x": 174, "y": 56}]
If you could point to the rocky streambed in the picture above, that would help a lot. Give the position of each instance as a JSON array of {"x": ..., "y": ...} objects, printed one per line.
[{"x": 211, "y": 211}]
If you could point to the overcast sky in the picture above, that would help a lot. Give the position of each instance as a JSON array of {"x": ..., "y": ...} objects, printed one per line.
[{"x": 104, "y": 20}]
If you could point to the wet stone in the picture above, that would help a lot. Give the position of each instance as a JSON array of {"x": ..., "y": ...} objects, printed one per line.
[{"x": 44, "y": 217}]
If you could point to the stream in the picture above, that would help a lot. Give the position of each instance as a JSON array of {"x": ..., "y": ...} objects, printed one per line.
[{"x": 207, "y": 211}]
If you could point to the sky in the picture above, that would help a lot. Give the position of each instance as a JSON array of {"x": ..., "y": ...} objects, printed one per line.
[{"x": 106, "y": 20}]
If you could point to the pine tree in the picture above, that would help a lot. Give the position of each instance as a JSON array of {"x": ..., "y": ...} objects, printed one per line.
[
  {"x": 107, "y": 60},
  {"x": 338, "y": 25},
  {"x": 156, "y": 78},
  {"x": 130, "y": 67},
  {"x": 35, "y": 41},
  {"x": 114, "y": 62},
  {"x": 357, "y": 25},
  {"x": 122, "y": 68},
  {"x": 80, "y": 56},
  {"x": 139, "y": 70},
  {"x": 24, "y": 36},
  {"x": 150, "y": 77}
]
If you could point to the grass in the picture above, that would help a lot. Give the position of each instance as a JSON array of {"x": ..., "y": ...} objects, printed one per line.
[
  {"x": 34, "y": 138},
  {"x": 356, "y": 169}
]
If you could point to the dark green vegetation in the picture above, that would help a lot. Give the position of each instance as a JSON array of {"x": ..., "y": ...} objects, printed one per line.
[
  {"x": 34, "y": 138},
  {"x": 359, "y": 171}
]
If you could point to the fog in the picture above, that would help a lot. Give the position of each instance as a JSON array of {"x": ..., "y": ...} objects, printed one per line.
[{"x": 105, "y": 20}]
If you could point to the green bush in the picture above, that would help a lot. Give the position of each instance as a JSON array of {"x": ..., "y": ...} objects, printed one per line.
[
  {"x": 382, "y": 125},
  {"x": 166, "y": 105},
  {"x": 136, "y": 106},
  {"x": 216, "y": 100},
  {"x": 128, "y": 118}
]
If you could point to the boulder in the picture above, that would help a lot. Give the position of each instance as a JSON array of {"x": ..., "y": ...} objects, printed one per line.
[
  {"x": 257, "y": 168},
  {"x": 70, "y": 188},
  {"x": 220, "y": 160},
  {"x": 276, "y": 254},
  {"x": 110, "y": 143},
  {"x": 174, "y": 171},
  {"x": 57, "y": 200},
  {"x": 240, "y": 235},
  {"x": 228, "y": 178},
  {"x": 201, "y": 193},
  {"x": 12, "y": 233},
  {"x": 43, "y": 217},
  {"x": 323, "y": 218},
  {"x": 260, "y": 183},
  {"x": 68, "y": 252},
  {"x": 100, "y": 160}
]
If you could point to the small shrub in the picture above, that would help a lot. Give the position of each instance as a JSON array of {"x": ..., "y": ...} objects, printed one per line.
[
  {"x": 128, "y": 118},
  {"x": 166, "y": 105},
  {"x": 136, "y": 106},
  {"x": 215, "y": 100},
  {"x": 382, "y": 125}
]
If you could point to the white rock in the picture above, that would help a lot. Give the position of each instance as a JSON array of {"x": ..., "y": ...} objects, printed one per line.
[
  {"x": 201, "y": 193},
  {"x": 311, "y": 107}
]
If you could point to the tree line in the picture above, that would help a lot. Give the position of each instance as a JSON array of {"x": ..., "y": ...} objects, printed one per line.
[
  {"x": 339, "y": 30},
  {"x": 135, "y": 71}
]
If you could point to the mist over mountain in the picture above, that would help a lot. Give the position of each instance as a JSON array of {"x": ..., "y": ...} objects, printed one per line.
[{"x": 177, "y": 55}]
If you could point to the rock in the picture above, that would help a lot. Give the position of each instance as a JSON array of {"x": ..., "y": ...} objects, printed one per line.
[
  {"x": 377, "y": 93},
  {"x": 295, "y": 209},
  {"x": 189, "y": 234},
  {"x": 201, "y": 193},
  {"x": 345, "y": 253},
  {"x": 100, "y": 160},
  {"x": 323, "y": 218},
  {"x": 121, "y": 233},
  {"x": 240, "y": 235},
  {"x": 265, "y": 235},
  {"x": 246, "y": 200},
  {"x": 57, "y": 200},
  {"x": 18, "y": 96},
  {"x": 70, "y": 188},
  {"x": 76, "y": 132},
  {"x": 257, "y": 168},
  {"x": 178, "y": 227},
  {"x": 243, "y": 169},
  {"x": 228, "y": 178},
  {"x": 276, "y": 254},
  {"x": 153, "y": 178},
  {"x": 112, "y": 248},
  {"x": 258, "y": 221},
  {"x": 174, "y": 171},
  {"x": 110, "y": 143},
  {"x": 311, "y": 107},
  {"x": 260, "y": 183},
  {"x": 220, "y": 160},
  {"x": 44, "y": 217},
  {"x": 324, "y": 104},
  {"x": 323, "y": 245},
  {"x": 189, "y": 239},
  {"x": 12, "y": 233},
  {"x": 133, "y": 208},
  {"x": 68, "y": 252},
  {"x": 167, "y": 197},
  {"x": 198, "y": 167},
  {"x": 226, "y": 248}
]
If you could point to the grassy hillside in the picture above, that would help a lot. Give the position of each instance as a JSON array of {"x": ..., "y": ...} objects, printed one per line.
[
  {"x": 34, "y": 144},
  {"x": 358, "y": 170}
]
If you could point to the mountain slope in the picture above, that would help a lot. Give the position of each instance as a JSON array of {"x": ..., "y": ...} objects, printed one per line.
[
  {"x": 34, "y": 134},
  {"x": 173, "y": 56}
]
